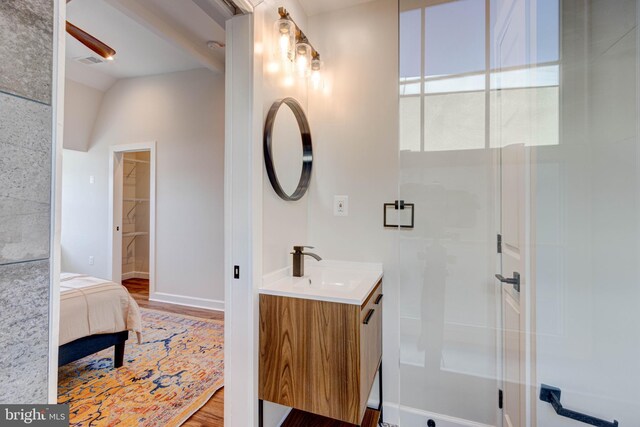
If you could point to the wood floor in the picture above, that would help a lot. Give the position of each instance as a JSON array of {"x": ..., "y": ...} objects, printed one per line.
[{"x": 212, "y": 413}]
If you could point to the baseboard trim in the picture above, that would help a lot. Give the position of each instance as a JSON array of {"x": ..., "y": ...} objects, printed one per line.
[
  {"x": 135, "y": 275},
  {"x": 395, "y": 414},
  {"x": 209, "y": 304}
]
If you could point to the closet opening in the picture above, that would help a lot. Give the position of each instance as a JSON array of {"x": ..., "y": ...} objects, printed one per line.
[
  {"x": 132, "y": 187},
  {"x": 135, "y": 222}
]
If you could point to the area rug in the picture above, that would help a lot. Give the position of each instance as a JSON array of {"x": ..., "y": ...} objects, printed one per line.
[{"x": 164, "y": 380}]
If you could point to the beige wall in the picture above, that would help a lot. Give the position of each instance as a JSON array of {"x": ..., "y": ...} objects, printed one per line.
[
  {"x": 81, "y": 105},
  {"x": 184, "y": 113}
]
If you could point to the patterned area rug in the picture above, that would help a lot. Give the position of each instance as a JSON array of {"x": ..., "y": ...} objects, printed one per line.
[{"x": 164, "y": 380}]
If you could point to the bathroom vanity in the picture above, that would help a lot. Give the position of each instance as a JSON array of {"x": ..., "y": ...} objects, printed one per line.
[{"x": 321, "y": 338}]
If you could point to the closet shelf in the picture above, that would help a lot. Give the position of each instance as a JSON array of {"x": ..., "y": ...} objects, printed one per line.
[
  {"x": 136, "y": 233},
  {"x": 136, "y": 161},
  {"x": 135, "y": 200}
]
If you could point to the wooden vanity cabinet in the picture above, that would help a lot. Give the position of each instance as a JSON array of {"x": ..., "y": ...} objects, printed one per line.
[{"x": 318, "y": 356}]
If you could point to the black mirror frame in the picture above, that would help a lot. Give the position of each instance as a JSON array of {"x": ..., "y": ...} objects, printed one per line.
[{"x": 307, "y": 150}]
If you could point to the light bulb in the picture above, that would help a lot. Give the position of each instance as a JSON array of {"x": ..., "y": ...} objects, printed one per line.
[
  {"x": 285, "y": 31},
  {"x": 284, "y": 45},
  {"x": 316, "y": 76},
  {"x": 303, "y": 59},
  {"x": 316, "y": 79},
  {"x": 302, "y": 65}
]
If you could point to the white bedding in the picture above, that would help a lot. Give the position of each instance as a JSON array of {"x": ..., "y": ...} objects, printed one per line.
[{"x": 89, "y": 306}]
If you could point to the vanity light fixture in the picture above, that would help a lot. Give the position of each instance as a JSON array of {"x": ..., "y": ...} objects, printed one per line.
[
  {"x": 285, "y": 33},
  {"x": 295, "y": 49}
]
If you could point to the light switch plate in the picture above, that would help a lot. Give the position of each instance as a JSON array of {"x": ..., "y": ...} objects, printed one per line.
[{"x": 340, "y": 205}]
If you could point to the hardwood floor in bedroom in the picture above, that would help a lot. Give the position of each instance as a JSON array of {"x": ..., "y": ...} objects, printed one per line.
[{"x": 212, "y": 413}]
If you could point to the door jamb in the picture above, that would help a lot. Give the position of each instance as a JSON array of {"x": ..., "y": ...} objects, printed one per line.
[{"x": 55, "y": 260}]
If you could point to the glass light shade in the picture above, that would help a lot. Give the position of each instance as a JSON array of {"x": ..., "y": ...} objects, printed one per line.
[
  {"x": 285, "y": 37},
  {"x": 303, "y": 59},
  {"x": 316, "y": 76}
]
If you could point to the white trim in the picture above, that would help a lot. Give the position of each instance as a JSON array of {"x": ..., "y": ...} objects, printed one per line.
[
  {"x": 209, "y": 304},
  {"x": 245, "y": 5},
  {"x": 135, "y": 275},
  {"x": 114, "y": 251},
  {"x": 243, "y": 222},
  {"x": 417, "y": 417},
  {"x": 57, "y": 104}
]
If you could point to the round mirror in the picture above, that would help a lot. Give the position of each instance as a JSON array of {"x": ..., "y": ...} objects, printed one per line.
[{"x": 287, "y": 149}]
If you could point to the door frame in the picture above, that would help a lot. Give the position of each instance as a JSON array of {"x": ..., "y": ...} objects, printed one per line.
[
  {"x": 243, "y": 218},
  {"x": 57, "y": 127},
  {"x": 527, "y": 296},
  {"x": 114, "y": 239}
]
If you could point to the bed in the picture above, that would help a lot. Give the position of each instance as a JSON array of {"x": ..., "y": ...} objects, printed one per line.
[{"x": 95, "y": 314}]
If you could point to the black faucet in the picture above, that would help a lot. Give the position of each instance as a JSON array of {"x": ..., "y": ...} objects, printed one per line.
[{"x": 298, "y": 259}]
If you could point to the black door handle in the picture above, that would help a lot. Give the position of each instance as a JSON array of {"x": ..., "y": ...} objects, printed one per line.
[{"x": 515, "y": 281}]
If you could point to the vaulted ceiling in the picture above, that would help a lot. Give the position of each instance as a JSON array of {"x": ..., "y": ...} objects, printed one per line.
[{"x": 150, "y": 37}]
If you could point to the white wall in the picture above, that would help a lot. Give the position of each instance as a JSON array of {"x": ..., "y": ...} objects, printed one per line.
[
  {"x": 354, "y": 124},
  {"x": 284, "y": 223},
  {"x": 81, "y": 103},
  {"x": 184, "y": 113},
  {"x": 357, "y": 111}
]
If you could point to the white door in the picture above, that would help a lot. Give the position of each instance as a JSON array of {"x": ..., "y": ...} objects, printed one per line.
[{"x": 512, "y": 183}]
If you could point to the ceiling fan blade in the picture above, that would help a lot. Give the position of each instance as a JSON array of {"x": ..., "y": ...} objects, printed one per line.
[{"x": 91, "y": 42}]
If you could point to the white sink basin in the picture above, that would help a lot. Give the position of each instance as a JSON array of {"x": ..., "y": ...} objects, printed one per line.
[{"x": 333, "y": 281}]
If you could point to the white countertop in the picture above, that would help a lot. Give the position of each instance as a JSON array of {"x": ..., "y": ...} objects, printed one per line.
[{"x": 332, "y": 281}]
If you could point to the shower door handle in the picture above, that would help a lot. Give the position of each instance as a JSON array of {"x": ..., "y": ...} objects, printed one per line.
[
  {"x": 515, "y": 280},
  {"x": 552, "y": 394}
]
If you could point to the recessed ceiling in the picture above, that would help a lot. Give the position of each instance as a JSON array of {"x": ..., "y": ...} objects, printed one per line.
[
  {"x": 316, "y": 7},
  {"x": 140, "y": 51}
]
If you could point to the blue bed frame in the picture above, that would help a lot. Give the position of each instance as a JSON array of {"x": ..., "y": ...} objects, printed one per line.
[{"x": 85, "y": 346}]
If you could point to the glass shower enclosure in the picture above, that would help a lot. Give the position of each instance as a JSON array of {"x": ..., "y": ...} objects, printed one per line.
[{"x": 520, "y": 281}]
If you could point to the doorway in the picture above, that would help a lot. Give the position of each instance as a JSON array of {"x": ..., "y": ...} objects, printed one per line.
[
  {"x": 135, "y": 222},
  {"x": 132, "y": 198}
]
